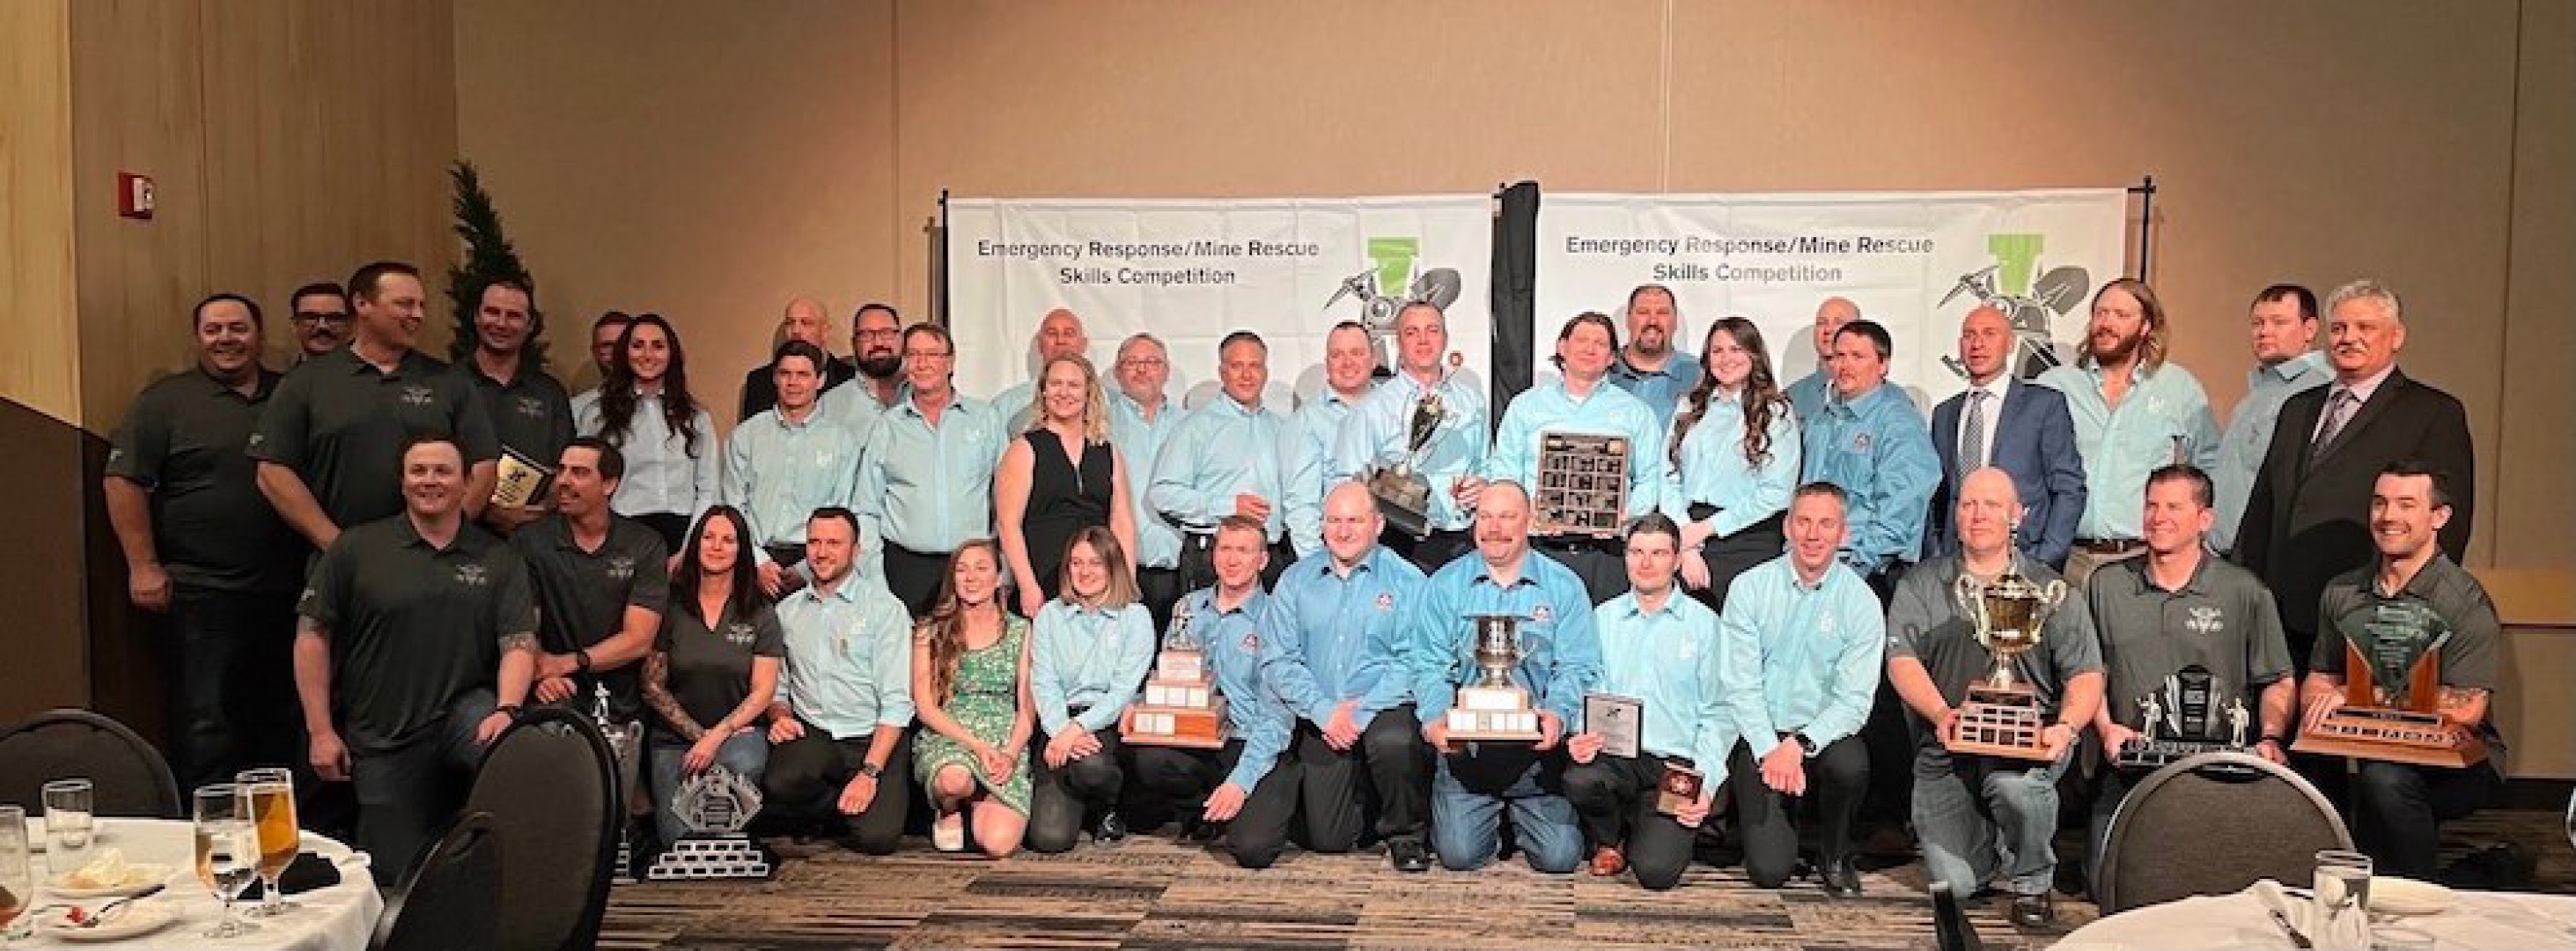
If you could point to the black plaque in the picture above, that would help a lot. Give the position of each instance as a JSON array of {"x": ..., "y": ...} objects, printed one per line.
[{"x": 1582, "y": 485}]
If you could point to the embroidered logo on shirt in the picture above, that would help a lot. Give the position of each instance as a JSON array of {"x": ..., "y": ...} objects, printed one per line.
[
  {"x": 1689, "y": 650},
  {"x": 738, "y": 634},
  {"x": 2205, "y": 620},
  {"x": 418, "y": 395},
  {"x": 1860, "y": 442},
  {"x": 472, "y": 576},
  {"x": 1826, "y": 624},
  {"x": 1251, "y": 642},
  {"x": 1385, "y": 601},
  {"x": 621, "y": 567},
  {"x": 532, "y": 407},
  {"x": 256, "y": 439},
  {"x": 1542, "y": 614}
]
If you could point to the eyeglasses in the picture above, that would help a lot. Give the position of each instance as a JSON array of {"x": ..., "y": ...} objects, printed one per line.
[
  {"x": 1144, "y": 363},
  {"x": 879, "y": 334},
  {"x": 306, "y": 317},
  {"x": 927, "y": 354}
]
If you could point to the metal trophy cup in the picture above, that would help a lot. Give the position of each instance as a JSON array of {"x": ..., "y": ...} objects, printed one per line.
[
  {"x": 715, "y": 805},
  {"x": 2184, "y": 717},
  {"x": 626, "y": 741},
  {"x": 1403, "y": 495},
  {"x": 1181, "y": 706},
  {"x": 2392, "y": 696},
  {"x": 2001, "y": 716},
  {"x": 1582, "y": 485},
  {"x": 1494, "y": 706}
]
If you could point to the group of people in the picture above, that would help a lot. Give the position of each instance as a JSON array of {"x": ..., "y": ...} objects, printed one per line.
[{"x": 876, "y": 574}]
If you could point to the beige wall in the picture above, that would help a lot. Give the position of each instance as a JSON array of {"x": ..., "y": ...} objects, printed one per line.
[{"x": 36, "y": 304}]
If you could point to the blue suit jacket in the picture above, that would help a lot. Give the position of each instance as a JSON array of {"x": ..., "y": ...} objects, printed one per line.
[{"x": 2035, "y": 443}]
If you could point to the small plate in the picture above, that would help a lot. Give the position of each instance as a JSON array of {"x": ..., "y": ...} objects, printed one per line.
[
  {"x": 137, "y": 920},
  {"x": 138, "y": 876},
  {"x": 2406, "y": 896}
]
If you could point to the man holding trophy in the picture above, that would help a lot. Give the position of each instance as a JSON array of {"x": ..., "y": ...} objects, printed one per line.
[
  {"x": 2002, "y": 682},
  {"x": 1504, "y": 648},
  {"x": 1418, "y": 439}
]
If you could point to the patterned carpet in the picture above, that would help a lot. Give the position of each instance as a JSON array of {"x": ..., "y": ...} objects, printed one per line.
[{"x": 1152, "y": 892}]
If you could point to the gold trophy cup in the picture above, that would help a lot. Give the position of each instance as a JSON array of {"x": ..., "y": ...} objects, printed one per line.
[{"x": 2001, "y": 716}]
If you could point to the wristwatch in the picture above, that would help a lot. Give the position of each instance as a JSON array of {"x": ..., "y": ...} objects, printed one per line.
[
  {"x": 511, "y": 709},
  {"x": 871, "y": 770},
  {"x": 1805, "y": 745}
]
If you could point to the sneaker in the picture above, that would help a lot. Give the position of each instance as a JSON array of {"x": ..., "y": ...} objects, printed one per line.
[
  {"x": 1110, "y": 828},
  {"x": 1407, "y": 855}
]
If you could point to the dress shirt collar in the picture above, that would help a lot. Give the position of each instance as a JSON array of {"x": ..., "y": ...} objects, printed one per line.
[{"x": 2369, "y": 386}]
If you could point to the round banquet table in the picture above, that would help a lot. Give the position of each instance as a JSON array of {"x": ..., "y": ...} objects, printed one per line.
[
  {"x": 2479, "y": 920},
  {"x": 337, "y": 918}
]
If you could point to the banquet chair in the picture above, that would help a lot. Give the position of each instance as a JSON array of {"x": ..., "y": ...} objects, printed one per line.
[
  {"x": 550, "y": 783},
  {"x": 1950, "y": 925},
  {"x": 127, "y": 776},
  {"x": 449, "y": 903},
  {"x": 2213, "y": 824}
]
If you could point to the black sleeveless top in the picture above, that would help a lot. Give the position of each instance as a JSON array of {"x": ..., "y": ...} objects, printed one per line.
[{"x": 1064, "y": 498}]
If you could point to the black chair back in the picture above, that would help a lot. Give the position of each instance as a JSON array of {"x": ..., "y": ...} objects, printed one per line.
[
  {"x": 450, "y": 902},
  {"x": 550, "y": 783},
  {"x": 127, "y": 776},
  {"x": 2213, "y": 824},
  {"x": 1950, "y": 922}
]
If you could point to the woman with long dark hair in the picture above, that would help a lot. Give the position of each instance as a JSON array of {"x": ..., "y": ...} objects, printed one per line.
[
  {"x": 646, "y": 411},
  {"x": 1735, "y": 462},
  {"x": 715, "y": 667},
  {"x": 970, "y": 688},
  {"x": 1058, "y": 478}
]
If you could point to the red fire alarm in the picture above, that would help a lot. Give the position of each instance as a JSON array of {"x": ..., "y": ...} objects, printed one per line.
[{"x": 134, "y": 196}]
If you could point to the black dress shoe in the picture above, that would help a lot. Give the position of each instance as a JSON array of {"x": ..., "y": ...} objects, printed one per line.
[
  {"x": 1201, "y": 830},
  {"x": 1110, "y": 828},
  {"x": 2032, "y": 911},
  {"x": 1407, "y": 855},
  {"x": 1841, "y": 879}
]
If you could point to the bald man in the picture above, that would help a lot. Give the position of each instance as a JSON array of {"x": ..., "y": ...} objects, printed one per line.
[
  {"x": 1811, "y": 391},
  {"x": 2022, "y": 429},
  {"x": 1060, "y": 334},
  {"x": 806, "y": 320}
]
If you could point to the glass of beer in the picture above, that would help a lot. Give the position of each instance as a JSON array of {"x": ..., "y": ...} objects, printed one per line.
[
  {"x": 227, "y": 851},
  {"x": 17, "y": 883},
  {"x": 272, "y": 811}
]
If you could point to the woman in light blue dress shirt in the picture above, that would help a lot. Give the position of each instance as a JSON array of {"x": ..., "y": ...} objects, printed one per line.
[
  {"x": 1735, "y": 462},
  {"x": 646, "y": 410},
  {"x": 1093, "y": 643}
]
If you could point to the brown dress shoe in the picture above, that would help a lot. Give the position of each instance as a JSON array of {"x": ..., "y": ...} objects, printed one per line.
[{"x": 1608, "y": 861}]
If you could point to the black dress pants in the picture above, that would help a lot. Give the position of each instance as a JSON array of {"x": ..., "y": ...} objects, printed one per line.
[
  {"x": 1396, "y": 761},
  {"x": 1616, "y": 795},
  {"x": 804, "y": 780},
  {"x": 1063, "y": 799},
  {"x": 1837, "y": 777},
  {"x": 232, "y": 701},
  {"x": 1184, "y": 776}
]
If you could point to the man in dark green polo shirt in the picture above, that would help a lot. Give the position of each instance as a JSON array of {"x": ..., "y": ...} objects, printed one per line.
[
  {"x": 2181, "y": 612},
  {"x": 330, "y": 442},
  {"x": 2413, "y": 600},
  {"x": 406, "y": 621},
  {"x": 602, "y": 581},
  {"x": 530, "y": 411},
  {"x": 201, "y": 544}
]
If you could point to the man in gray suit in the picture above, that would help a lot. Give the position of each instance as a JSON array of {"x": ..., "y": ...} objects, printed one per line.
[{"x": 2011, "y": 425}]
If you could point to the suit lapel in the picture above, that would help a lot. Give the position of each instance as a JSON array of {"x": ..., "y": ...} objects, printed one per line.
[
  {"x": 1945, "y": 432},
  {"x": 2369, "y": 410}
]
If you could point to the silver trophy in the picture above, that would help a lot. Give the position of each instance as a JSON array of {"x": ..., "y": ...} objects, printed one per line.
[
  {"x": 626, "y": 743},
  {"x": 1403, "y": 495},
  {"x": 2189, "y": 713},
  {"x": 1494, "y": 706},
  {"x": 716, "y": 805}
]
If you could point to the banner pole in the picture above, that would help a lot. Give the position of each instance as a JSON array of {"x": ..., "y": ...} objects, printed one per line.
[
  {"x": 2146, "y": 192},
  {"x": 939, "y": 262}
]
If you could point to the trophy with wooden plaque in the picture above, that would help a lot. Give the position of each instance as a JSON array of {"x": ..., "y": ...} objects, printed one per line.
[
  {"x": 1181, "y": 705},
  {"x": 2002, "y": 716},
  {"x": 1494, "y": 707},
  {"x": 1403, "y": 495},
  {"x": 519, "y": 480},
  {"x": 1582, "y": 485},
  {"x": 2185, "y": 717},
  {"x": 2393, "y": 698}
]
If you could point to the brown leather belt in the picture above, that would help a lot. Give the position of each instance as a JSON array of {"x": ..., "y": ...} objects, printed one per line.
[{"x": 2110, "y": 546}]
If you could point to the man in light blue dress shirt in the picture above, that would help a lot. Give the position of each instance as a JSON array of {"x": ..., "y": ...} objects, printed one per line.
[
  {"x": 1869, "y": 440},
  {"x": 1803, "y": 639},
  {"x": 925, "y": 478},
  {"x": 1653, "y": 367},
  {"x": 1380, "y": 434},
  {"x": 1582, "y": 402},
  {"x": 1250, "y": 784},
  {"x": 2283, "y": 322},
  {"x": 844, "y": 698},
  {"x": 1141, "y": 419},
  {"x": 1334, "y": 649},
  {"x": 1475, "y": 783},
  {"x": 1234, "y": 456},
  {"x": 787, "y": 461},
  {"x": 2134, "y": 413},
  {"x": 1349, "y": 361},
  {"x": 1810, "y": 392}
]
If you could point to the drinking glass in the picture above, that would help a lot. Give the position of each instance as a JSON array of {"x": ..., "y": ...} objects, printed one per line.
[
  {"x": 272, "y": 811},
  {"x": 2341, "y": 919},
  {"x": 227, "y": 851},
  {"x": 68, "y": 806},
  {"x": 17, "y": 883}
]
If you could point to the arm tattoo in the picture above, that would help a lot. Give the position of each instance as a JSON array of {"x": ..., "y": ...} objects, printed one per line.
[
  {"x": 519, "y": 640},
  {"x": 2454, "y": 697},
  {"x": 657, "y": 694}
]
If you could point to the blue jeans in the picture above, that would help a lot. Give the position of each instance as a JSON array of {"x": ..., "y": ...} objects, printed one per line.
[
  {"x": 746, "y": 753},
  {"x": 1466, "y": 823},
  {"x": 1978, "y": 814}
]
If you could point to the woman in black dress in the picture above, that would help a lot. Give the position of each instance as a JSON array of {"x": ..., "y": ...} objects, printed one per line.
[{"x": 1058, "y": 478}]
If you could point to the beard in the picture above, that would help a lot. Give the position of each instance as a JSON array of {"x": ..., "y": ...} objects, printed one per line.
[
  {"x": 880, "y": 368},
  {"x": 2119, "y": 350}
]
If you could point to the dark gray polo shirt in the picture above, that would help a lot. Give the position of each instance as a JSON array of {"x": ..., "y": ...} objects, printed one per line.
[
  {"x": 710, "y": 670},
  {"x": 412, "y": 627},
  {"x": 2223, "y": 619},
  {"x": 1924, "y": 622},
  {"x": 2394, "y": 630},
  {"x": 182, "y": 441},
  {"x": 582, "y": 596},
  {"x": 531, "y": 414},
  {"x": 340, "y": 424}
]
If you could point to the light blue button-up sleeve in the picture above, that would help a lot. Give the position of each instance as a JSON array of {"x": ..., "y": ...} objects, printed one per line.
[
  {"x": 1851, "y": 674},
  {"x": 1174, "y": 490},
  {"x": 1577, "y": 656},
  {"x": 1283, "y": 661},
  {"x": 1750, "y": 607},
  {"x": 893, "y": 655},
  {"x": 1713, "y": 470}
]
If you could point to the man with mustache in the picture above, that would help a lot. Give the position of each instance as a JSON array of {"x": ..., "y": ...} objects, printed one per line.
[
  {"x": 2134, "y": 413},
  {"x": 1651, "y": 367},
  {"x": 2302, "y": 521},
  {"x": 201, "y": 544},
  {"x": 1810, "y": 392},
  {"x": 320, "y": 311}
]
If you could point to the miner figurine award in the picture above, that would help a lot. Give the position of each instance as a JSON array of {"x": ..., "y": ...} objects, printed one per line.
[
  {"x": 1181, "y": 706},
  {"x": 2001, "y": 716},
  {"x": 2190, "y": 713},
  {"x": 1403, "y": 495},
  {"x": 1494, "y": 706},
  {"x": 2392, "y": 696},
  {"x": 1582, "y": 485},
  {"x": 715, "y": 806},
  {"x": 626, "y": 745}
]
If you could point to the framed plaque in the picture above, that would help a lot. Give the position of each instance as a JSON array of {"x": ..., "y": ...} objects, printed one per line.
[
  {"x": 1618, "y": 720},
  {"x": 1582, "y": 485}
]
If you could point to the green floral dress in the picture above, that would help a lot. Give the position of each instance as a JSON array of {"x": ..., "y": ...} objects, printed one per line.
[{"x": 987, "y": 701}]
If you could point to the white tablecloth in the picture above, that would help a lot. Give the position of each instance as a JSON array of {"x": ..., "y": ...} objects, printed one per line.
[
  {"x": 2480, "y": 920},
  {"x": 338, "y": 918}
]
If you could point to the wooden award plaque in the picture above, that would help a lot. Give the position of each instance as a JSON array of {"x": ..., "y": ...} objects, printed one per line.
[
  {"x": 1181, "y": 706},
  {"x": 2365, "y": 728},
  {"x": 2000, "y": 721}
]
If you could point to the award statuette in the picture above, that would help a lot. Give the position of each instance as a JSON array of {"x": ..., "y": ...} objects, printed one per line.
[
  {"x": 1403, "y": 495},
  {"x": 519, "y": 480},
  {"x": 2001, "y": 716},
  {"x": 1181, "y": 706},
  {"x": 1680, "y": 787},
  {"x": 1493, "y": 706},
  {"x": 626, "y": 741},
  {"x": 1582, "y": 485},
  {"x": 2185, "y": 718},
  {"x": 715, "y": 805},
  {"x": 2392, "y": 696}
]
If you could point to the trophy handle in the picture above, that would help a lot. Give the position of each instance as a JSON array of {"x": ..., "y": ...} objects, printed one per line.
[
  {"x": 1964, "y": 591},
  {"x": 2054, "y": 593}
]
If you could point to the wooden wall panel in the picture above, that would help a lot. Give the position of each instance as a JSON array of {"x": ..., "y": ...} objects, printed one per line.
[{"x": 38, "y": 367}]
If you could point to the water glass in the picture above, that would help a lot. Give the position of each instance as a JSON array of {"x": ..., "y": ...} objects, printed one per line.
[
  {"x": 69, "y": 804},
  {"x": 17, "y": 882},
  {"x": 227, "y": 851},
  {"x": 2340, "y": 917},
  {"x": 272, "y": 813}
]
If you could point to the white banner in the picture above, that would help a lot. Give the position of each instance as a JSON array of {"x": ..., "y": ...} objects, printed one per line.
[
  {"x": 1915, "y": 262},
  {"x": 1193, "y": 271}
]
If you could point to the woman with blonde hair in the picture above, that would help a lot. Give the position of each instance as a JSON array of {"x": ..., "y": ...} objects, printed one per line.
[
  {"x": 970, "y": 688},
  {"x": 1089, "y": 650},
  {"x": 1058, "y": 478}
]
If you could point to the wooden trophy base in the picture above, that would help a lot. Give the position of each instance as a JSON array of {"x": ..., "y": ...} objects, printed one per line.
[
  {"x": 1493, "y": 714},
  {"x": 2000, "y": 722},
  {"x": 2396, "y": 736},
  {"x": 2143, "y": 753},
  {"x": 1196, "y": 727}
]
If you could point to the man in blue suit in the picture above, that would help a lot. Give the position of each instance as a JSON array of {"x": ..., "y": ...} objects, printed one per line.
[{"x": 2022, "y": 429}]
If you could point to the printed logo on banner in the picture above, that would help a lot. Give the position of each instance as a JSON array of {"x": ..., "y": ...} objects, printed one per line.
[
  {"x": 2027, "y": 305},
  {"x": 1392, "y": 261}
]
